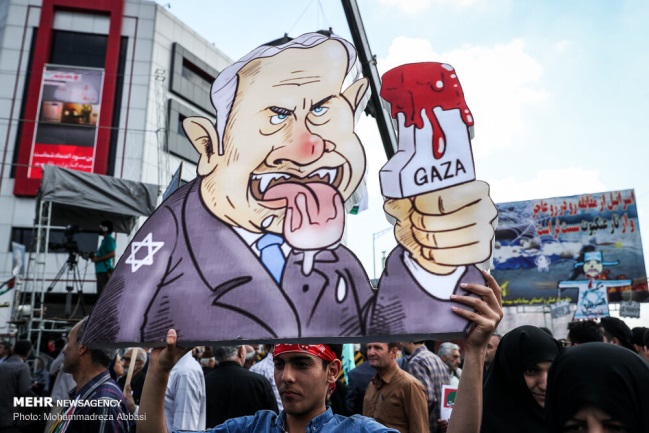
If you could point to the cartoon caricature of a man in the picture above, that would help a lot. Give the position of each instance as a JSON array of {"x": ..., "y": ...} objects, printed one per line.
[
  {"x": 250, "y": 248},
  {"x": 593, "y": 289}
]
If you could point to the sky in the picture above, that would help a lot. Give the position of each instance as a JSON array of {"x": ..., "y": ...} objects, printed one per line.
[{"x": 558, "y": 88}]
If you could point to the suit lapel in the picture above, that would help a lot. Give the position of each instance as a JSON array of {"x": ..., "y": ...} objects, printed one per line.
[{"x": 230, "y": 268}]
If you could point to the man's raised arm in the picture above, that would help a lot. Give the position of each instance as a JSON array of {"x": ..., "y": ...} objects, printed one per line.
[{"x": 161, "y": 361}]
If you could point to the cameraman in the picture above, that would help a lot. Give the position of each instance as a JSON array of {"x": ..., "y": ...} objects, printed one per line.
[{"x": 103, "y": 259}]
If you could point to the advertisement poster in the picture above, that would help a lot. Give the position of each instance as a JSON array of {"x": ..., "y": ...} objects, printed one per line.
[
  {"x": 585, "y": 249},
  {"x": 68, "y": 116}
]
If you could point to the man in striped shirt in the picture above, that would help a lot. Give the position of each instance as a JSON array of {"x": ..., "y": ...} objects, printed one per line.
[
  {"x": 432, "y": 372},
  {"x": 97, "y": 404}
]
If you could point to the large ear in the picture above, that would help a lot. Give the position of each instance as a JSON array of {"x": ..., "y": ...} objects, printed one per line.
[
  {"x": 354, "y": 93},
  {"x": 334, "y": 370},
  {"x": 202, "y": 135}
]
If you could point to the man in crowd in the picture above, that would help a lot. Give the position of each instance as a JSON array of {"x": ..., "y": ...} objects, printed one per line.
[
  {"x": 266, "y": 368},
  {"x": 431, "y": 371},
  {"x": 251, "y": 357},
  {"x": 358, "y": 378},
  {"x": 137, "y": 355},
  {"x": 305, "y": 375},
  {"x": 584, "y": 331},
  {"x": 5, "y": 350},
  {"x": 232, "y": 390},
  {"x": 393, "y": 397},
  {"x": 16, "y": 381},
  {"x": 616, "y": 332},
  {"x": 450, "y": 354},
  {"x": 184, "y": 397},
  {"x": 492, "y": 346},
  {"x": 89, "y": 370},
  {"x": 638, "y": 340},
  {"x": 103, "y": 258}
]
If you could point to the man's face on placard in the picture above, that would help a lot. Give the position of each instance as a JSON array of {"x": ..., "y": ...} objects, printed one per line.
[
  {"x": 289, "y": 135},
  {"x": 593, "y": 268}
]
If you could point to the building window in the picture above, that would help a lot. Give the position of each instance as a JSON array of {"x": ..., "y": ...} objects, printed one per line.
[
  {"x": 196, "y": 75},
  {"x": 78, "y": 49},
  {"x": 177, "y": 141},
  {"x": 191, "y": 78}
]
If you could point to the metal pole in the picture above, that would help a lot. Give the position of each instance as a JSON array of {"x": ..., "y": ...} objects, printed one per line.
[
  {"x": 374, "y": 254},
  {"x": 368, "y": 63},
  {"x": 376, "y": 235}
]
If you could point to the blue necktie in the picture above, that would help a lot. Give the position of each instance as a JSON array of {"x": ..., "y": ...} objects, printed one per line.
[{"x": 269, "y": 245}]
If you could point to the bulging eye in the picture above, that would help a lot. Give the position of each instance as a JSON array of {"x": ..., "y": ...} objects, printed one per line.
[
  {"x": 319, "y": 111},
  {"x": 278, "y": 118}
]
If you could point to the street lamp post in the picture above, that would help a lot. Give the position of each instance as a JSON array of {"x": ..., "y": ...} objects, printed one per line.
[{"x": 375, "y": 236}]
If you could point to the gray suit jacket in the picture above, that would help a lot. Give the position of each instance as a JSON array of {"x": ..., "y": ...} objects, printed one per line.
[
  {"x": 206, "y": 281},
  {"x": 403, "y": 307},
  {"x": 16, "y": 381}
]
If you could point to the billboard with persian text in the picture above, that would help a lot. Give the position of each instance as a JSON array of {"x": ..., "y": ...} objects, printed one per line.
[{"x": 574, "y": 247}]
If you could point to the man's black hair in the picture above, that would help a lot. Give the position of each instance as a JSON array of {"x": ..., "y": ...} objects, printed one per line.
[
  {"x": 584, "y": 331},
  {"x": 23, "y": 348},
  {"x": 638, "y": 335},
  {"x": 337, "y": 349},
  {"x": 615, "y": 327},
  {"x": 108, "y": 224}
]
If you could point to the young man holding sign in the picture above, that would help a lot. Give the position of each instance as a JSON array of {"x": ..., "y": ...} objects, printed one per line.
[{"x": 304, "y": 373}]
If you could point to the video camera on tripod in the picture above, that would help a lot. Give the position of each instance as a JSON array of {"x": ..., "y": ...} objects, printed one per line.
[
  {"x": 70, "y": 244},
  {"x": 69, "y": 272}
]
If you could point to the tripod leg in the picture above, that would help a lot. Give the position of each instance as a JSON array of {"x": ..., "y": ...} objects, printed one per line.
[
  {"x": 79, "y": 286},
  {"x": 58, "y": 276}
]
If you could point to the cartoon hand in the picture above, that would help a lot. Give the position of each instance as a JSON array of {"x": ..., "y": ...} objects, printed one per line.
[{"x": 446, "y": 228}]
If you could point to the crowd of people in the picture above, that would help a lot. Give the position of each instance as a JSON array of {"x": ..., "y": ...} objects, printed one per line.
[{"x": 596, "y": 380}]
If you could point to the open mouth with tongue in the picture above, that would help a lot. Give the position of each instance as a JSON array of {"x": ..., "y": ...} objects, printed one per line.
[{"x": 315, "y": 212}]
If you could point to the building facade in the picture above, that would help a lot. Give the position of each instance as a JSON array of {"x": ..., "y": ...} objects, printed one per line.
[{"x": 100, "y": 87}]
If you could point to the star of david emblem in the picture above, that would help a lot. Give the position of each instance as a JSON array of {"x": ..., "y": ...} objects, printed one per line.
[{"x": 152, "y": 248}]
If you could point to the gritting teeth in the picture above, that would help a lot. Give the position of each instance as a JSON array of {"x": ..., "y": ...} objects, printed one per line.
[
  {"x": 266, "y": 179},
  {"x": 324, "y": 172}
]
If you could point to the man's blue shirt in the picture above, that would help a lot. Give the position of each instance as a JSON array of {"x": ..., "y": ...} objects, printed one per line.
[{"x": 266, "y": 421}]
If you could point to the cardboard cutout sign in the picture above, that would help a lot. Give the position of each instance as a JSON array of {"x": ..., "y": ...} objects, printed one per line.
[{"x": 250, "y": 250}]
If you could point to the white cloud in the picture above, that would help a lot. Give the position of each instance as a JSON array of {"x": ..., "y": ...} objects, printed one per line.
[
  {"x": 417, "y": 6},
  {"x": 547, "y": 183},
  {"x": 408, "y": 6},
  {"x": 498, "y": 83}
]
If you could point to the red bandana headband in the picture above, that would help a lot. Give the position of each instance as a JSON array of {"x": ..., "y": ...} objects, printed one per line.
[{"x": 322, "y": 351}]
